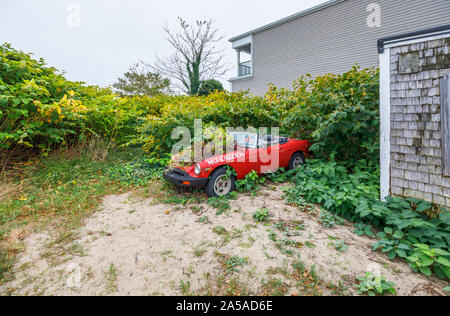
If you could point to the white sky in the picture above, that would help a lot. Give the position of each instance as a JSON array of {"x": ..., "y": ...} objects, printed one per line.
[{"x": 113, "y": 34}]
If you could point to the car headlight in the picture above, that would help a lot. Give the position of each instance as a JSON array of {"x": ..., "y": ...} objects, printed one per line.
[{"x": 197, "y": 169}]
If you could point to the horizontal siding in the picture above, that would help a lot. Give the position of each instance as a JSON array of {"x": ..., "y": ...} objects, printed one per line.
[{"x": 333, "y": 39}]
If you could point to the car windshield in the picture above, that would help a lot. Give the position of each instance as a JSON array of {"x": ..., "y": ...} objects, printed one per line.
[{"x": 245, "y": 140}]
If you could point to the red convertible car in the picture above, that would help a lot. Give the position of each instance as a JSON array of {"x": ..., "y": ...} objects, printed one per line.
[{"x": 263, "y": 154}]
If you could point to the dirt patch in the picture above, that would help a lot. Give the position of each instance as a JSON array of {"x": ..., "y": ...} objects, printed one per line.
[{"x": 141, "y": 248}]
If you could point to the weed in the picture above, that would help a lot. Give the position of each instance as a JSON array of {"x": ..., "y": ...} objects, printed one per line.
[
  {"x": 274, "y": 287},
  {"x": 111, "y": 279},
  {"x": 185, "y": 288},
  {"x": 340, "y": 246},
  {"x": 219, "y": 230},
  {"x": 375, "y": 285},
  {"x": 364, "y": 229},
  {"x": 261, "y": 215},
  {"x": 203, "y": 220},
  {"x": 330, "y": 220},
  {"x": 199, "y": 251},
  {"x": 234, "y": 262},
  {"x": 251, "y": 183},
  {"x": 221, "y": 204}
]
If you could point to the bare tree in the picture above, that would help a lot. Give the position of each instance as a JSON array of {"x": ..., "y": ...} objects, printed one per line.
[{"x": 196, "y": 59}]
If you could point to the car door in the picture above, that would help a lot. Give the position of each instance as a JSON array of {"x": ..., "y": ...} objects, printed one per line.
[{"x": 269, "y": 158}]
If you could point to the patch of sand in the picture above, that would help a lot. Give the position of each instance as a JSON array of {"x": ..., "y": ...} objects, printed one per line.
[{"x": 140, "y": 248}]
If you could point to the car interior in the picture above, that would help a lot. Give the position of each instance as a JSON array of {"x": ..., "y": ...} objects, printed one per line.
[{"x": 250, "y": 140}]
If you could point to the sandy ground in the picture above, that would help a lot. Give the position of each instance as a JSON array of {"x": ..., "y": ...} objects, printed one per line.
[{"x": 135, "y": 247}]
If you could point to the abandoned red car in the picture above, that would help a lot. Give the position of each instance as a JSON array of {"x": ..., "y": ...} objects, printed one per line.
[{"x": 264, "y": 154}]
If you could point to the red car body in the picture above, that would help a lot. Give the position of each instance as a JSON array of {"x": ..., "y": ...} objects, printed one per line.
[{"x": 243, "y": 160}]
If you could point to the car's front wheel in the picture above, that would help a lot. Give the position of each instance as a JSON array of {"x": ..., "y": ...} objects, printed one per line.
[{"x": 220, "y": 184}]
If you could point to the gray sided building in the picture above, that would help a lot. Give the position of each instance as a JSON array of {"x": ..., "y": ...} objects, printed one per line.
[{"x": 329, "y": 38}]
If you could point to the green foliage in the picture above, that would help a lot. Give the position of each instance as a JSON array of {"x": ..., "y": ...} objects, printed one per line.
[
  {"x": 6, "y": 263},
  {"x": 139, "y": 172},
  {"x": 375, "y": 285},
  {"x": 221, "y": 204},
  {"x": 340, "y": 112},
  {"x": 219, "y": 230},
  {"x": 424, "y": 259},
  {"x": 138, "y": 81},
  {"x": 330, "y": 220},
  {"x": 338, "y": 190},
  {"x": 351, "y": 191},
  {"x": 261, "y": 215},
  {"x": 40, "y": 108},
  {"x": 203, "y": 220},
  {"x": 362, "y": 229},
  {"x": 234, "y": 263},
  {"x": 34, "y": 104},
  {"x": 210, "y": 86},
  {"x": 340, "y": 245},
  {"x": 250, "y": 183}
]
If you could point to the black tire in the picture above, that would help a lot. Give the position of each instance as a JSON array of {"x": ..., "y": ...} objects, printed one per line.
[
  {"x": 295, "y": 159},
  {"x": 211, "y": 186}
]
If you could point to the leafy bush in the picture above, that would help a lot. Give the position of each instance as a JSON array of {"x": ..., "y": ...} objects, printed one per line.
[
  {"x": 35, "y": 106},
  {"x": 353, "y": 193},
  {"x": 424, "y": 259},
  {"x": 40, "y": 108},
  {"x": 338, "y": 113},
  {"x": 221, "y": 110}
]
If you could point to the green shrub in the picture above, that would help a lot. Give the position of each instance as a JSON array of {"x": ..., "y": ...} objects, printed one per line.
[
  {"x": 338, "y": 113},
  {"x": 37, "y": 106},
  {"x": 353, "y": 193},
  {"x": 210, "y": 86}
]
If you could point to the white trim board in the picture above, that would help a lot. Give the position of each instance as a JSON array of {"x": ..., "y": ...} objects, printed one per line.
[
  {"x": 385, "y": 123},
  {"x": 412, "y": 40}
]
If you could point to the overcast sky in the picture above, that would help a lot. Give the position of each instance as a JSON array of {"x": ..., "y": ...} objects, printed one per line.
[{"x": 113, "y": 34}]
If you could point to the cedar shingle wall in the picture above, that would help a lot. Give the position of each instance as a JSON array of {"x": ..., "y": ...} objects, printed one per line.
[{"x": 416, "y": 129}]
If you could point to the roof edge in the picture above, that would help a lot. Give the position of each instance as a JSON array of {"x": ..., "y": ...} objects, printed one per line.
[
  {"x": 410, "y": 36},
  {"x": 289, "y": 18}
]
